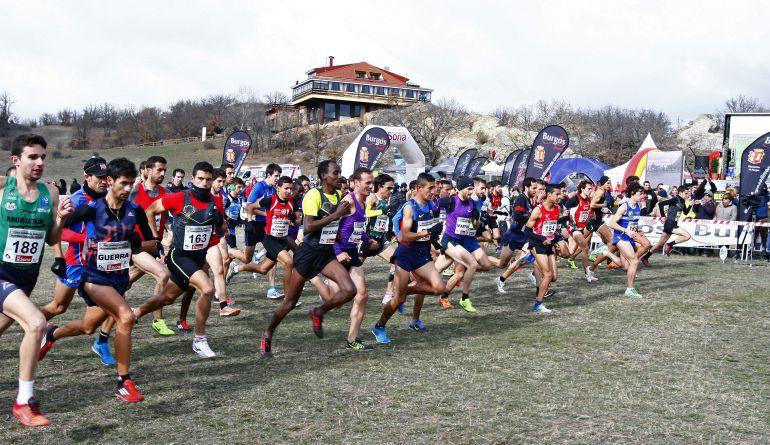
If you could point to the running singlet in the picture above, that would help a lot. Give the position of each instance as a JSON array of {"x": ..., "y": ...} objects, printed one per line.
[
  {"x": 108, "y": 239},
  {"x": 279, "y": 214},
  {"x": 459, "y": 218},
  {"x": 581, "y": 213},
  {"x": 522, "y": 208},
  {"x": 144, "y": 200},
  {"x": 192, "y": 226},
  {"x": 423, "y": 218},
  {"x": 630, "y": 219},
  {"x": 233, "y": 213},
  {"x": 320, "y": 205},
  {"x": 379, "y": 226},
  {"x": 261, "y": 190},
  {"x": 76, "y": 236},
  {"x": 547, "y": 224},
  {"x": 352, "y": 228},
  {"x": 23, "y": 228}
]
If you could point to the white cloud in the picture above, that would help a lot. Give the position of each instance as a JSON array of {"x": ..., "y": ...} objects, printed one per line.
[{"x": 681, "y": 57}]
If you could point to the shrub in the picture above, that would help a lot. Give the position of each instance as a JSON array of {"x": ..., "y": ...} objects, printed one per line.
[{"x": 482, "y": 138}]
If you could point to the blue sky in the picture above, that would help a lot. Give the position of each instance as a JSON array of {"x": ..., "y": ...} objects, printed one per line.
[{"x": 682, "y": 57}]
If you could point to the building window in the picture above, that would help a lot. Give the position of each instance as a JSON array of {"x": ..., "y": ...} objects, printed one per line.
[
  {"x": 356, "y": 110},
  {"x": 395, "y": 92},
  {"x": 330, "y": 111},
  {"x": 344, "y": 110},
  {"x": 424, "y": 95},
  {"x": 336, "y": 86},
  {"x": 360, "y": 74},
  {"x": 376, "y": 76},
  {"x": 321, "y": 85},
  {"x": 410, "y": 94},
  {"x": 380, "y": 91},
  {"x": 350, "y": 87},
  {"x": 365, "y": 89}
]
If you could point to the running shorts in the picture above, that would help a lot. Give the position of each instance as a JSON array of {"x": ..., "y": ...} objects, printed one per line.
[
  {"x": 182, "y": 266},
  {"x": 411, "y": 258},
  {"x": 254, "y": 233},
  {"x": 72, "y": 277},
  {"x": 469, "y": 243},
  {"x": 310, "y": 261},
  {"x": 274, "y": 246}
]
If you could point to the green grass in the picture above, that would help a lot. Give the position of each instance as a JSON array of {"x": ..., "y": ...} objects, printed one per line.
[{"x": 686, "y": 364}]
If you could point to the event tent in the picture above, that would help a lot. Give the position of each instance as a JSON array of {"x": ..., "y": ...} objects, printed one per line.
[
  {"x": 492, "y": 168},
  {"x": 636, "y": 166},
  {"x": 447, "y": 166},
  {"x": 564, "y": 167}
]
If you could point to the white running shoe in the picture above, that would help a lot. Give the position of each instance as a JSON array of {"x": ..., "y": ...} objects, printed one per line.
[
  {"x": 231, "y": 272},
  {"x": 500, "y": 286},
  {"x": 274, "y": 294},
  {"x": 387, "y": 297},
  {"x": 532, "y": 279},
  {"x": 543, "y": 310},
  {"x": 201, "y": 347},
  {"x": 258, "y": 256},
  {"x": 590, "y": 275}
]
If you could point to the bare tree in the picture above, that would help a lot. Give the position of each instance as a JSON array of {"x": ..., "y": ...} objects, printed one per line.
[
  {"x": 277, "y": 98},
  {"x": 317, "y": 139},
  {"x": 82, "y": 124},
  {"x": 744, "y": 104},
  {"x": 48, "y": 119},
  {"x": 6, "y": 115}
]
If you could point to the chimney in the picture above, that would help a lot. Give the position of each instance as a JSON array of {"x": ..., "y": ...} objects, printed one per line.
[
  {"x": 387, "y": 68},
  {"x": 331, "y": 61}
]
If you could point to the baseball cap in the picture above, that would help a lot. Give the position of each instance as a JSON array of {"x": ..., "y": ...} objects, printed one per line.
[{"x": 96, "y": 166}]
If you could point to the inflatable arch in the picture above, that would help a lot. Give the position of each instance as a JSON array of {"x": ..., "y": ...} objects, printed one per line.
[{"x": 401, "y": 139}]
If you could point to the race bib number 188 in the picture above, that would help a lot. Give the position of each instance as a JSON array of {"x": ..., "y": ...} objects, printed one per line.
[{"x": 23, "y": 246}]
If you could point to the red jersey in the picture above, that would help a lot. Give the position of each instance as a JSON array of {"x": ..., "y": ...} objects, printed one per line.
[
  {"x": 581, "y": 213},
  {"x": 144, "y": 200},
  {"x": 278, "y": 214},
  {"x": 547, "y": 222},
  {"x": 495, "y": 201},
  {"x": 173, "y": 202}
]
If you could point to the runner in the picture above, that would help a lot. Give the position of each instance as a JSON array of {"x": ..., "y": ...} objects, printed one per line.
[
  {"x": 459, "y": 240},
  {"x": 255, "y": 229},
  {"x": 677, "y": 206},
  {"x": 541, "y": 229},
  {"x": 196, "y": 216},
  {"x": 625, "y": 223},
  {"x": 580, "y": 234},
  {"x": 322, "y": 207},
  {"x": 601, "y": 203},
  {"x": 27, "y": 221},
  {"x": 417, "y": 223},
  {"x": 516, "y": 238},
  {"x": 380, "y": 214},
  {"x": 94, "y": 187},
  {"x": 111, "y": 243}
]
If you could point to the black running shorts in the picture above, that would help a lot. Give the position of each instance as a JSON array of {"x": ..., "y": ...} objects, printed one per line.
[
  {"x": 254, "y": 233},
  {"x": 310, "y": 261},
  {"x": 182, "y": 266},
  {"x": 274, "y": 246}
]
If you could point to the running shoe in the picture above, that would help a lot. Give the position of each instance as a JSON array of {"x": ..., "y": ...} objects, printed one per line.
[
  {"x": 45, "y": 345},
  {"x": 358, "y": 345},
  {"x": 201, "y": 347},
  {"x": 612, "y": 266},
  {"x": 160, "y": 327},
  {"x": 541, "y": 309},
  {"x": 258, "y": 256},
  {"x": 29, "y": 414},
  {"x": 445, "y": 303},
  {"x": 468, "y": 306},
  {"x": 103, "y": 351},
  {"x": 182, "y": 327},
  {"x": 229, "y": 311},
  {"x": 549, "y": 294},
  {"x": 274, "y": 294},
  {"x": 318, "y": 328},
  {"x": 667, "y": 250},
  {"x": 632, "y": 293},
  {"x": 386, "y": 298},
  {"x": 400, "y": 309},
  {"x": 532, "y": 279},
  {"x": 571, "y": 264},
  {"x": 529, "y": 258},
  {"x": 231, "y": 272},
  {"x": 645, "y": 261},
  {"x": 500, "y": 286},
  {"x": 127, "y": 392},
  {"x": 380, "y": 334},
  {"x": 417, "y": 326},
  {"x": 265, "y": 346},
  {"x": 590, "y": 275},
  {"x": 449, "y": 271}
]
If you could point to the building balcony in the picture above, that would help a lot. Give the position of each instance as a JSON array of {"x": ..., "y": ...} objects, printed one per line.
[{"x": 368, "y": 92}]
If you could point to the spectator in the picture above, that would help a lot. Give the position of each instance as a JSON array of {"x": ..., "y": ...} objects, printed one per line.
[
  {"x": 62, "y": 186},
  {"x": 705, "y": 208},
  {"x": 652, "y": 199},
  {"x": 726, "y": 210},
  {"x": 74, "y": 186}
]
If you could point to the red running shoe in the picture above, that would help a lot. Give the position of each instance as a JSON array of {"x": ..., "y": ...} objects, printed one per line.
[
  {"x": 29, "y": 414},
  {"x": 45, "y": 345},
  {"x": 127, "y": 392},
  {"x": 646, "y": 262},
  {"x": 318, "y": 328},
  {"x": 265, "y": 346}
]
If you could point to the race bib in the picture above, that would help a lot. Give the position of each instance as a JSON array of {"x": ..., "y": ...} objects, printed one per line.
[
  {"x": 549, "y": 228},
  {"x": 113, "y": 256},
  {"x": 244, "y": 214},
  {"x": 358, "y": 232},
  {"x": 633, "y": 226},
  {"x": 442, "y": 215},
  {"x": 329, "y": 233},
  {"x": 464, "y": 227},
  {"x": 583, "y": 216},
  {"x": 196, "y": 237},
  {"x": 426, "y": 225},
  {"x": 157, "y": 220},
  {"x": 23, "y": 246},
  {"x": 279, "y": 227},
  {"x": 382, "y": 223}
]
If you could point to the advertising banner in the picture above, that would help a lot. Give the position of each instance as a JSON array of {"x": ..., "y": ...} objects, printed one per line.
[
  {"x": 510, "y": 163},
  {"x": 520, "y": 172},
  {"x": 701, "y": 167},
  {"x": 474, "y": 167},
  {"x": 664, "y": 167},
  {"x": 462, "y": 163},
  {"x": 371, "y": 146},
  {"x": 547, "y": 147},
  {"x": 705, "y": 233},
  {"x": 237, "y": 146},
  {"x": 755, "y": 166}
]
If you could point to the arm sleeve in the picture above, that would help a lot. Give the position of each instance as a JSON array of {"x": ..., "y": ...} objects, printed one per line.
[
  {"x": 71, "y": 236},
  {"x": 264, "y": 202},
  {"x": 143, "y": 225},
  {"x": 257, "y": 192},
  {"x": 520, "y": 213},
  {"x": 570, "y": 203},
  {"x": 662, "y": 204},
  {"x": 81, "y": 214},
  {"x": 173, "y": 202}
]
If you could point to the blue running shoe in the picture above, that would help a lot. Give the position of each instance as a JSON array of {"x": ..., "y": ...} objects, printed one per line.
[
  {"x": 401, "y": 309},
  {"x": 380, "y": 334},
  {"x": 417, "y": 326},
  {"x": 103, "y": 351}
]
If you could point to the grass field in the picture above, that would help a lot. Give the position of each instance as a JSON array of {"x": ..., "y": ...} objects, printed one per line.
[{"x": 687, "y": 364}]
